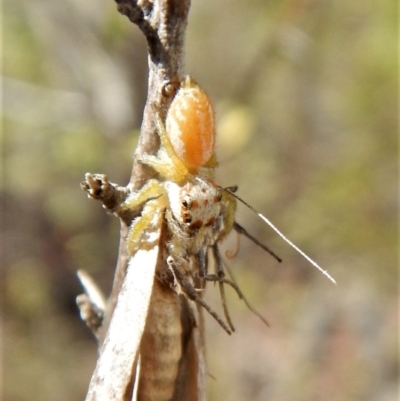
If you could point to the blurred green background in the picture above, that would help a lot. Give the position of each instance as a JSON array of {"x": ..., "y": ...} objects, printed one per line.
[{"x": 305, "y": 93}]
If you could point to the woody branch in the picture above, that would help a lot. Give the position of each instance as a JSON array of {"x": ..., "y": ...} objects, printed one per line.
[{"x": 163, "y": 24}]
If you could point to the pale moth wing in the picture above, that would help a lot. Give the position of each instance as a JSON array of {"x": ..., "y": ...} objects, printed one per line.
[{"x": 120, "y": 349}]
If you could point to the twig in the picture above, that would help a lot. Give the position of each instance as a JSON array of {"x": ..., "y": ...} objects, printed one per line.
[{"x": 163, "y": 24}]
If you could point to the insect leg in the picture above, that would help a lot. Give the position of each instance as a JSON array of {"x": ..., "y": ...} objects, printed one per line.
[
  {"x": 203, "y": 262},
  {"x": 203, "y": 274},
  {"x": 234, "y": 285},
  {"x": 188, "y": 289},
  {"x": 220, "y": 278}
]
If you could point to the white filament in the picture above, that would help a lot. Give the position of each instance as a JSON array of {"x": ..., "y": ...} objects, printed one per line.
[
  {"x": 282, "y": 236},
  {"x": 297, "y": 249}
]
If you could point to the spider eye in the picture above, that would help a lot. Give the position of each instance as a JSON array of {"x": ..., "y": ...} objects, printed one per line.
[{"x": 187, "y": 202}]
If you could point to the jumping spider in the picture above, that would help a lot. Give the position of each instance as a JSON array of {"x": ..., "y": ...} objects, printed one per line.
[{"x": 198, "y": 213}]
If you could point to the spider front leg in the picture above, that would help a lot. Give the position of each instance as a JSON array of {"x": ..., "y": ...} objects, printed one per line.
[
  {"x": 152, "y": 195},
  {"x": 186, "y": 287},
  {"x": 151, "y": 190}
]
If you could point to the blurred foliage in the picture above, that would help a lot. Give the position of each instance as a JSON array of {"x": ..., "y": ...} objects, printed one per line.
[{"x": 305, "y": 99}]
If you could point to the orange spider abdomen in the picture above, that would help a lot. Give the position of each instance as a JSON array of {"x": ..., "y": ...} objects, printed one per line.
[{"x": 190, "y": 125}]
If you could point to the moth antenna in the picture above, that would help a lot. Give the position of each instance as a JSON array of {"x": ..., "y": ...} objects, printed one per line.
[
  {"x": 284, "y": 238},
  {"x": 231, "y": 253},
  {"x": 239, "y": 229}
]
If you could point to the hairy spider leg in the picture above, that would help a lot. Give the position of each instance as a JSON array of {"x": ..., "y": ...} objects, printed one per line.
[
  {"x": 151, "y": 216},
  {"x": 152, "y": 189},
  {"x": 152, "y": 195}
]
